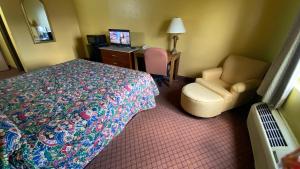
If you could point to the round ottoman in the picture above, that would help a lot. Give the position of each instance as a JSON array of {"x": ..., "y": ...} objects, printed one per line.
[{"x": 200, "y": 101}]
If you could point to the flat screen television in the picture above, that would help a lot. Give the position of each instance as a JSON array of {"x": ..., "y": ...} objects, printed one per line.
[{"x": 119, "y": 37}]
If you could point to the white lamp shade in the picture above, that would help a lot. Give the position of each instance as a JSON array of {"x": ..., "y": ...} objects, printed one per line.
[{"x": 176, "y": 26}]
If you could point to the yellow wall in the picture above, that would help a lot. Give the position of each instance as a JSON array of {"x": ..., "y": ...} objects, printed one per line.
[
  {"x": 291, "y": 110},
  {"x": 215, "y": 28},
  {"x": 63, "y": 17}
]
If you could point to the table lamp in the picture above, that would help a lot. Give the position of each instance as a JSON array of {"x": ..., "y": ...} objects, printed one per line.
[{"x": 176, "y": 27}]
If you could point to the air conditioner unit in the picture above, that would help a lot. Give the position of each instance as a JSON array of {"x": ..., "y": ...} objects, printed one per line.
[{"x": 271, "y": 137}]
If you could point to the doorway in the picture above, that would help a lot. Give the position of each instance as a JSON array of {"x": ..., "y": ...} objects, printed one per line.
[{"x": 10, "y": 61}]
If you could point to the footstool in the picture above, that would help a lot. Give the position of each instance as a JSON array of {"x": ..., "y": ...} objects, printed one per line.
[{"x": 200, "y": 101}]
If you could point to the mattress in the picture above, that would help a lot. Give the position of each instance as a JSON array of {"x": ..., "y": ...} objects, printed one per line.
[{"x": 63, "y": 116}]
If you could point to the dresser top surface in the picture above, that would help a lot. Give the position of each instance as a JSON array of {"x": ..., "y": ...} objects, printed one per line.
[{"x": 120, "y": 49}]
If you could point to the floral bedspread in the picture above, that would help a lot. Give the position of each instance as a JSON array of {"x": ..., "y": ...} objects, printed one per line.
[{"x": 64, "y": 115}]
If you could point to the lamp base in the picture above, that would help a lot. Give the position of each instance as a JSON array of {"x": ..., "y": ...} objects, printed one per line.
[
  {"x": 175, "y": 38},
  {"x": 173, "y": 51}
]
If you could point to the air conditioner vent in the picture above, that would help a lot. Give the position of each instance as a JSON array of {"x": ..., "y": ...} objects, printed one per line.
[{"x": 272, "y": 130}]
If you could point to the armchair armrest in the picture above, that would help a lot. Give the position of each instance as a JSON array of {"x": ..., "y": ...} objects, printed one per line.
[
  {"x": 214, "y": 73},
  {"x": 245, "y": 86}
]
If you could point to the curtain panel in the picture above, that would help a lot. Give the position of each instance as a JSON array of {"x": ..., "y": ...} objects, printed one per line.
[{"x": 284, "y": 71}]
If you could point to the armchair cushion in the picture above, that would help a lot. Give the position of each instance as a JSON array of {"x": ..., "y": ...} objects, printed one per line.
[
  {"x": 214, "y": 73},
  {"x": 197, "y": 92},
  {"x": 245, "y": 86},
  {"x": 238, "y": 69},
  {"x": 217, "y": 82},
  {"x": 218, "y": 87}
]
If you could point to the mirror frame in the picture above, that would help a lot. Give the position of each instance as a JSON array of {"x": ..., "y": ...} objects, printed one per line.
[{"x": 29, "y": 27}]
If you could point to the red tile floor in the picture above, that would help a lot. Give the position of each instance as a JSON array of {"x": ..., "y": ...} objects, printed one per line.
[{"x": 167, "y": 137}]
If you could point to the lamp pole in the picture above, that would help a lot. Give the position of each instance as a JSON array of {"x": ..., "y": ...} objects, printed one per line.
[{"x": 175, "y": 39}]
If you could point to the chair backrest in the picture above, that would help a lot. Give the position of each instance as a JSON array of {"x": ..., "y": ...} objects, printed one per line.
[
  {"x": 156, "y": 60},
  {"x": 239, "y": 68}
]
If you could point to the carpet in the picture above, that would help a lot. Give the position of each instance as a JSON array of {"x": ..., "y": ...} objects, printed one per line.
[{"x": 167, "y": 137}]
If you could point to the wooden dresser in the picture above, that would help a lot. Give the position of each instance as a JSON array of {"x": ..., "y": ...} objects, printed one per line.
[{"x": 122, "y": 57}]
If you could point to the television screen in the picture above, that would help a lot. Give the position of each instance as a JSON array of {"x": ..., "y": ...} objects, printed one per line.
[{"x": 119, "y": 37}]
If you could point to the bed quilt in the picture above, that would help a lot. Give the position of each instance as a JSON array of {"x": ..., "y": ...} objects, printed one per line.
[{"x": 64, "y": 115}]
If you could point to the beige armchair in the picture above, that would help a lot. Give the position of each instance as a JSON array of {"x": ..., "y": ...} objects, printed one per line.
[{"x": 226, "y": 87}]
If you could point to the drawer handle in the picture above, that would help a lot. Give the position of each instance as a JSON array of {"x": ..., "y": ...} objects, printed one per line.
[
  {"x": 115, "y": 63},
  {"x": 113, "y": 55}
]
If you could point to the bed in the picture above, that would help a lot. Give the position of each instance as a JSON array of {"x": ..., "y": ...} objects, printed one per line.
[{"x": 64, "y": 115}]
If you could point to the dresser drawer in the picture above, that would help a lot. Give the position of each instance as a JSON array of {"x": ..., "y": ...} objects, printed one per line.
[
  {"x": 116, "y": 58},
  {"x": 121, "y": 56},
  {"x": 116, "y": 62}
]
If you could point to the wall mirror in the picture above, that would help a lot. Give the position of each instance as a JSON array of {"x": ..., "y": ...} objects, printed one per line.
[{"x": 37, "y": 20}]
